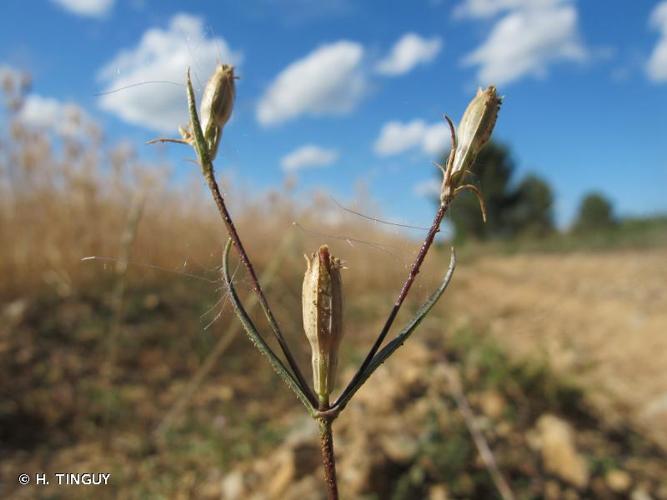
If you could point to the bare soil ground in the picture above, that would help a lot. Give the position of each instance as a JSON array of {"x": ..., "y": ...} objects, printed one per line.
[{"x": 600, "y": 317}]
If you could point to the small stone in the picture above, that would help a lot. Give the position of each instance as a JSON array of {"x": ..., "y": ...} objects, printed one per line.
[
  {"x": 151, "y": 301},
  {"x": 308, "y": 488},
  {"x": 438, "y": 492},
  {"x": 400, "y": 448},
  {"x": 283, "y": 476},
  {"x": 662, "y": 491},
  {"x": 298, "y": 458},
  {"x": 599, "y": 487},
  {"x": 504, "y": 429},
  {"x": 226, "y": 392},
  {"x": 14, "y": 312},
  {"x": 552, "y": 490},
  {"x": 570, "y": 494},
  {"x": 232, "y": 486},
  {"x": 559, "y": 453},
  {"x": 492, "y": 404},
  {"x": 640, "y": 494},
  {"x": 618, "y": 481},
  {"x": 412, "y": 375}
]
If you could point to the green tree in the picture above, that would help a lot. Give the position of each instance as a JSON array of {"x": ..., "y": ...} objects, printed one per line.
[
  {"x": 596, "y": 212},
  {"x": 526, "y": 209},
  {"x": 532, "y": 208},
  {"x": 491, "y": 172}
]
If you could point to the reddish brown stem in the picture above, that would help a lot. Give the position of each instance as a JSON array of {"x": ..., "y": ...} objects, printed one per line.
[
  {"x": 206, "y": 161},
  {"x": 236, "y": 240},
  {"x": 414, "y": 270},
  {"x": 328, "y": 458}
]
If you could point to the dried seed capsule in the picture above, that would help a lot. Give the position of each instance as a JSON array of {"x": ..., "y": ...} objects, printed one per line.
[
  {"x": 475, "y": 129},
  {"x": 323, "y": 318},
  {"x": 216, "y": 105}
]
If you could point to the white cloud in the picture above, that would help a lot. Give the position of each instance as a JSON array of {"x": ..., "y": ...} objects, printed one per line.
[
  {"x": 524, "y": 43},
  {"x": 408, "y": 52},
  {"x": 12, "y": 78},
  {"x": 88, "y": 8},
  {"x": 396, "y": 137},
  {"x": 428, "y": 188},
  {"x": 65, "y": 118},
  {"x": 489, "y": 8},
  {"x": 8, "y": 72},
  {"x": 329, "y": 80},
  {"x": 162, "y": 55},
  {"x": 308, "y": 156},
  {"x": 657, "y": 63},
  {"x": 436, "y": 139}
]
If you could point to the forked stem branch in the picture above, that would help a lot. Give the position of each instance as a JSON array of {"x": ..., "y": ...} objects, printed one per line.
[
  {"x": 322, "y": 286},
  {"x": 206, "y": 162},
  {"x": 412, "y": 275}
]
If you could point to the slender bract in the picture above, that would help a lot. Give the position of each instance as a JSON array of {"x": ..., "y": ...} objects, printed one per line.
[
  {"x": 215, "y": 110},
  {"x": 257, "y": 339},
  {"x": 323, "y": 318},
  {"x": 398, "y": 341}
]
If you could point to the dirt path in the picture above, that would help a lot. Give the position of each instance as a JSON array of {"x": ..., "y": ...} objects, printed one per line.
[{"x": 601, "y": 317}]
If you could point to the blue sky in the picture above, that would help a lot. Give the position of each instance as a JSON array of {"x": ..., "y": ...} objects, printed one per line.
[{"x": 337, "y": 92}]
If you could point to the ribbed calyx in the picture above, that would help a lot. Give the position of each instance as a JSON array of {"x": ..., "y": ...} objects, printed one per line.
[
  {"x": 475, "y": 128},
  {"x": 323, "y": 318},
  {"x": 471, "y": 135},
  {"x": 217, "y": 103}
]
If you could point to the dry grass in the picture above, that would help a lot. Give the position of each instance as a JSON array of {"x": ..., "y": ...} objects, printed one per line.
[{"x": 63, "y": 199}]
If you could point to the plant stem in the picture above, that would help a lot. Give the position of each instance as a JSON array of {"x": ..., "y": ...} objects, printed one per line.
[
  {"x": 400, "y": 339},
  {"x": 328, "y": 458},
  {"x": 236, "y": 240},
  {"x": 206, "y": 164},
  {"x": 257, "y": 339},
  {"x": 414, "y": 270}
]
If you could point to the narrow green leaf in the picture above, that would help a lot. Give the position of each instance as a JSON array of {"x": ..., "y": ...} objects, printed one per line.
[
  {"x": 389, "y": 349},
  {"x": 257, "y": 339}
]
